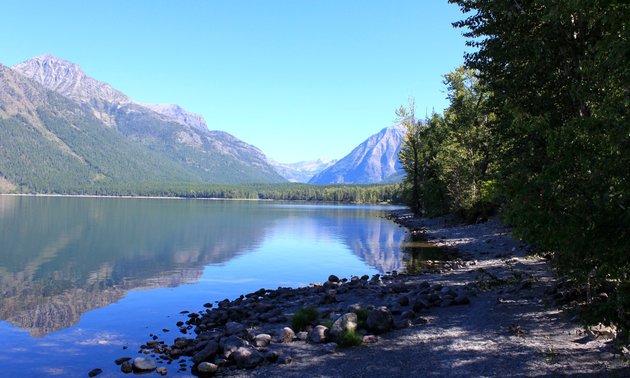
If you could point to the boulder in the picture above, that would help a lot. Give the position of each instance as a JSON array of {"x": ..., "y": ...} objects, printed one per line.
[
  {"x": 231, "y": 344},
  {"x": 207, "y": 353},
  {"x": 347, "y": 322},
  {"x": 262, "y": 340},
  {"x": 207, "y": 368},
  {"x": 232, "y": 328},
  {"x": 380, "y": 320},
  {"x": 142, "y": 364},
  {"x": 318, "y": 334},
  {"x": 286, "y": 335},
  {"x": 247, "y": 358}
]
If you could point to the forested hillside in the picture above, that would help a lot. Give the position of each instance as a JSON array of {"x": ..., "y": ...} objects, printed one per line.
[{"x": 50, "y": 144}]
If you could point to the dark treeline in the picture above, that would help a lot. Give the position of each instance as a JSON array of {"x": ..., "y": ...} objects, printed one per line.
[
  {"x": 538, "y": 130},
  {"x": 360, "y": 194}
]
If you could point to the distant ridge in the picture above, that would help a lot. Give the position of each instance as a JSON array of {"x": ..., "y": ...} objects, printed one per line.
[
  {"x": 302, "y": 171},
  {"x": 373, "y": 161},
  {"x": 179, "y": 135}
]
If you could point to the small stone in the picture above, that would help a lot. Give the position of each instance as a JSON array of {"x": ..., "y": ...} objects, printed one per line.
[
  {"x": 126, "y": 367},
  {"x": 286, "y": 335},
  {"x": 329, "y": 348},
  {"x": 302, "y": 335},
  {"x": 95, "y": 372},
  {"x": 162, "y": 370},
  {"x": 271, "y": 356},
  {"x": 120, "y": 360},
  {"x": 370, "y": 339},
  {"x": 247, "y": 358},
  {"x": 285, "y": 359},
  {"x": 143, "y": 364},
  {"x": 207, "y": 368},
  {"x": 262, "y": 340},
  {"x": 402, "y": 323},
  {"x": 318, "y": 334},
  {"x": 333, "y": 278}
]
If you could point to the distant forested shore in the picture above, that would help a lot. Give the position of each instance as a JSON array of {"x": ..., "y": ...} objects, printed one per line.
[{"x": 359, "y": 194}]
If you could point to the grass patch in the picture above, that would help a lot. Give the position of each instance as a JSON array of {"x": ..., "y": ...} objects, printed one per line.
[
  {"x": 350, "y": 339},
  {"x": 303, "y": 318},
  {"x": 362, "y": 315}
]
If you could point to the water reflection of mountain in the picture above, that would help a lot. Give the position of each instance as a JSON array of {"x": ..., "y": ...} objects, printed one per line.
[
  {"x": 374, "y": 241},
  {"x": 61, "y": 257}
]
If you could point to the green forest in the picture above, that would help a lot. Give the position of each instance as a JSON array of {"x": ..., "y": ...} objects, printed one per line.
[{"x": 537, "y": 130}]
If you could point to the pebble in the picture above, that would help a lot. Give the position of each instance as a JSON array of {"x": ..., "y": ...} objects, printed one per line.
[{"x": 95, "y": 372}]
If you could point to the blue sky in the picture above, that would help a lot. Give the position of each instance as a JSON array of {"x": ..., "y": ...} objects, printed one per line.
[{"x": 300, "y": 79}]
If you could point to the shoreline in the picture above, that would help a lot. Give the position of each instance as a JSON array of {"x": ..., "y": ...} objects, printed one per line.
[{"x": 487, "y": 314}]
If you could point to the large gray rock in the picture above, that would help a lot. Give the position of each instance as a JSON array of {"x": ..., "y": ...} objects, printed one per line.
[
  {"x": 231, "y": 344},
  {"x": 207, "y": 353},
  {"x": 380, "y": 320},
  {"x": 247, "y": 358},
  {"x": 262, "y": 340},
  {"x": 207, "y": 368},
  {"x": 143, "y": 364},
  {"x": 286, "y": 335},
  {"x": 318, "y": 334},
  {"x": 232, "y": 328},
  {"x": 347, "y": 322}
]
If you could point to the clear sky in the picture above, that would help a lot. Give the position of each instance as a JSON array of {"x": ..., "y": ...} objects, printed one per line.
[{"x": 300, "y": 79}]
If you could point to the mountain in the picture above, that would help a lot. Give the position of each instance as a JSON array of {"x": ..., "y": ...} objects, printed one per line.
[
  {"x": 373, "y": 161},
  {"x": 302, "y": 171},
  {"x": 180, "y": 114},
  {"x": 181, "y": 136},
  {"x": 49, "y": 143}
]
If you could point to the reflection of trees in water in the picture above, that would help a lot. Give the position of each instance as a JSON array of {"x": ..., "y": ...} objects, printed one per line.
[
  {"x": 61, "y": 257},
  {"x": 417, "y": 252}
]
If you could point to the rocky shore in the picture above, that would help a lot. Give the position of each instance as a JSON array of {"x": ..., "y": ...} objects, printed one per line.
[{"x": 492, "y": 310}]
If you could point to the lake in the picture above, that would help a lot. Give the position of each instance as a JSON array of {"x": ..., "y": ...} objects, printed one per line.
[{"x": 87, "y": 280}]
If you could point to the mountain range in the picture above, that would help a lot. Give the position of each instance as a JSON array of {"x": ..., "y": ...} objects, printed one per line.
[
  {"x": 63, "y": 131},
  {"x": 371, "y": 162},
  {"x": 177, "y": 141}
]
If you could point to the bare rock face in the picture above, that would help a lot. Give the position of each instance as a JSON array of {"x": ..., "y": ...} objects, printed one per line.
[
  {"x": 180, "y": 114},
  {"x": 373, "y": 161},
  {"x": 68, "y": 79}
]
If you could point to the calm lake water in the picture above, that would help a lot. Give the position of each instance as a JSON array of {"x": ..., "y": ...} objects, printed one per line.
[{"x": 82, "y": 278}]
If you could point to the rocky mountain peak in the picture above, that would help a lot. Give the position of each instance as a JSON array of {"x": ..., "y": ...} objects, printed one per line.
[
  {"x": 68, "y": 79},
  {"x": 373, "y": 161}
]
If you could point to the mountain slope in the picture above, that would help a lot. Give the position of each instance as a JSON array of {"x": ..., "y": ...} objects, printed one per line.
[
  {"x": 373, "y": 161},
  {"x": 49, "y": 143},
  {"x": 302, "y": 171},
  {"x": 213, "y": 156}
]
